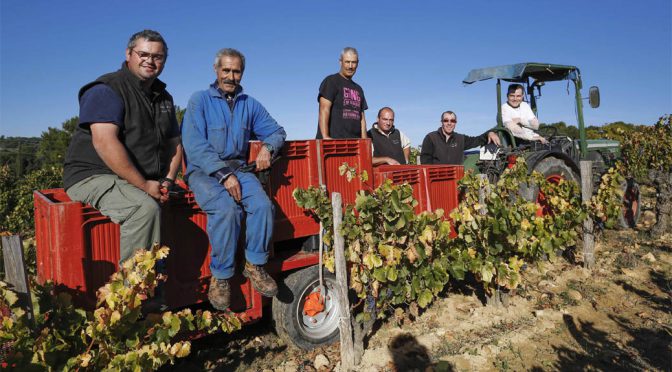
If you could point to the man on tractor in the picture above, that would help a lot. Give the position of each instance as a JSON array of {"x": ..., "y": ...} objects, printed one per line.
[{"x": 518, "y": 117}]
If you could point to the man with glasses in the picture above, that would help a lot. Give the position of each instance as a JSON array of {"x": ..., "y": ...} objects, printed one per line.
[
  {"x": 126, "y": 150},
  {"x": 389, "y": 145},
  {"x": 218, "y": 124},
  {"x": 341, "y": 101},
  {"x": 445, "y": 146}
]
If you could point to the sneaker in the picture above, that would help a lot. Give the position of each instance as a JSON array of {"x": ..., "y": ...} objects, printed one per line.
[
  {"x": 261, "y": 281},
  {"x": 219, "y": 293}
]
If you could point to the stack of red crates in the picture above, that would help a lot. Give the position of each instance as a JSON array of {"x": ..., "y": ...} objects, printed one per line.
[
  {"x": 400, "y": 174},
  {"x": 79, "y": 248}
]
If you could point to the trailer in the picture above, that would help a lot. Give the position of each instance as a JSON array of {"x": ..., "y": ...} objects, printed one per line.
[{"x": 78, "y": 248}]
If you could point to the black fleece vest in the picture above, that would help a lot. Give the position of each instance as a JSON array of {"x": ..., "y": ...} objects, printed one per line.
[
  {"x": 149, "y": 122},
  {"x": 387, "y": 145}
]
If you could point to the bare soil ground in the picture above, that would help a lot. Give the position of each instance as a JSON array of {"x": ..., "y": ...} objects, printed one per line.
[{"x": 615, "y": 317}]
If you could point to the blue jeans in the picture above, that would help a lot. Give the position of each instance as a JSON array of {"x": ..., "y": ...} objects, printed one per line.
[{"x": 225, "y": 216}]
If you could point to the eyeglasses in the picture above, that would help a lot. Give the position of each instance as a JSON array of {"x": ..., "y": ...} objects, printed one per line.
[
  {"x": 147, "y": 56},
  {"x": 449, "y": 121}
]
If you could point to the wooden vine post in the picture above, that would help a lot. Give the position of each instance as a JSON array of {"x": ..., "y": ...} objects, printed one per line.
[
  {"x": 588, "y": 232},
  {"x": 344, "y": 325},
  {"x": 15, "y": 272}
]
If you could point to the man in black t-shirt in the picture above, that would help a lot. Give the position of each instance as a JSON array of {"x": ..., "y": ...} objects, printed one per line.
[{"x": 342, "y": 102}]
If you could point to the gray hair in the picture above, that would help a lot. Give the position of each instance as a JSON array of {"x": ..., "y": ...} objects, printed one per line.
[
  {"x": 449, "y": 113},
  {"x": 230, "y": 52},
  {"x": 149, "y": 35},
  {"x": 347, "y": 50}
]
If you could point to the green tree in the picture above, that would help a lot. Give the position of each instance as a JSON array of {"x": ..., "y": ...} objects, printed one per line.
[
  {"x": 54, "y": 143},
  {"x": 564, "y": 129},
  {"x": 179, "y": 113},
  {"x": 617, "y": 130},
  {"x": 19, "y": 154},
  {"x": 7, "y": 194}
]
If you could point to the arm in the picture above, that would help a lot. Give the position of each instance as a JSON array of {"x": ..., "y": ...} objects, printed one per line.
[
  {"x": 176, "y": 160},
  {"x": 516, "y": 122},
  {"x": 406, "y": 146},
  {"x": 363, "y": 125},
  {"x": 487, "y": 137},
  {"x": 115, "y": 156},
  {"x": 194, "y": 138},
  {"x": 528, "y": 118},
  {"x": 377, "y": 160},
  {"x": 323, "y": 119},
  {"x": 521, "y": 132},
  {"x": 494, "y": 138},
  {"x": 266, "y": 129},
  {"x": 427, "y": 151}
]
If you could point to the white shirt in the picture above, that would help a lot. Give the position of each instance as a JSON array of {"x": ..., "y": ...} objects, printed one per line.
[{"x": 527, "y": 119}]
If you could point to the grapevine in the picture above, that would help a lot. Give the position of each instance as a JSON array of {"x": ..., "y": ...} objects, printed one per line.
[
  {"x": 647, "y": 157},
  {"x": 115, "y": 336},
  {"x": 398, "y": 259}
]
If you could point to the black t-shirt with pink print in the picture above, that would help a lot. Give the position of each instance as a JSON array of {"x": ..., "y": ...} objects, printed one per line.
[{"x": 347, "y": 104}]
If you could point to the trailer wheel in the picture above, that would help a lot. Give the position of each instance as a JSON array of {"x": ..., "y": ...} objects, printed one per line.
[
  {"x": 631, "y": 204},
  {"x": 553, "y": 170},
  {"x": 293, "y": 324}
]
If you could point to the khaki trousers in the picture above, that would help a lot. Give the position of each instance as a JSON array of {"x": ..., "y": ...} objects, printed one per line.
[{"x": 137, "y": 213}]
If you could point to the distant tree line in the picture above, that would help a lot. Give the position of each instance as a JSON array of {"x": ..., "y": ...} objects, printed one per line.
[
  {"x": 33, "y": 163},
  {"x": 612, "y": 131}
]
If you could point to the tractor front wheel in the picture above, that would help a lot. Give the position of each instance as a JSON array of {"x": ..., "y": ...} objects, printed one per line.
[
  {"x": 304, "y": 314},
  {"x": 554, "y": 170}
]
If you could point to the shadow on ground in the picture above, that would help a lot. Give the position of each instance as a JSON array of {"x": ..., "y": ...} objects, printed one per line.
[
  {"x": 229, "y": 352},
  {"x": 649, "y": 349}
]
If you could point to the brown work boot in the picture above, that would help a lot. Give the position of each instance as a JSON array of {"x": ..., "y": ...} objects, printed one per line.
[
  {"x": 261, "y": 281},
  {"x": 219, "y": 293}
]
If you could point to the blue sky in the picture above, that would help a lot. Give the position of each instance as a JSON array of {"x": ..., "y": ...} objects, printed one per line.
[{"x": 413, "y": 55}]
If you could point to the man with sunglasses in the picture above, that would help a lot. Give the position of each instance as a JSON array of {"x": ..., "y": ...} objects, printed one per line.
[
  {"x": 445, "y": 146},
  {"x": 126, "y": 150}
]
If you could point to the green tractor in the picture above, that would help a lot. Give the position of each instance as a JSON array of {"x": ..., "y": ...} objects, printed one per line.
[{"x": 559, "y": 158}]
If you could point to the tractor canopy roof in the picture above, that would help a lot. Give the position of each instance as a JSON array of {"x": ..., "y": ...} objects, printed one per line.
[{"x": 520, "y": 72}]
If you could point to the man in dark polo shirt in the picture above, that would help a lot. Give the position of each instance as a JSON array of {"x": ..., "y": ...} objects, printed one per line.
[
  {"x": 445, "y": 146},
  {"x": 126, "y": 150},
  {"x": 390, "y": 145},
  {"x": 342, "y": 102}
]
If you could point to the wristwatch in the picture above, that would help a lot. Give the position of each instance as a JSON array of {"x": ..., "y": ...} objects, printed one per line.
[{"x": 269, "y": 147}]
